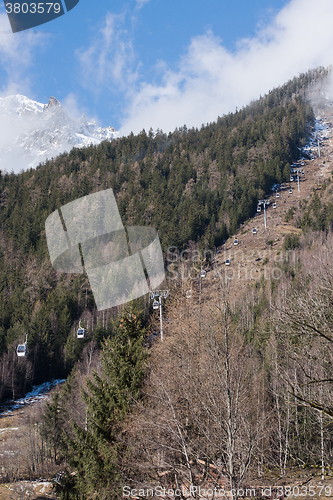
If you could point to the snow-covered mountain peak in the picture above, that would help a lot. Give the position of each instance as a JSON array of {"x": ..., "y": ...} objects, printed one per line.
[
  {"x": 31, "y": 132},
  {"x": 19, "y": 105},
  {"x": 52, "y": 102}
]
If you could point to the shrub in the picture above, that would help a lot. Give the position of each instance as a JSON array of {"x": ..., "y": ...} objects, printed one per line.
[{"x": 291, "y": 241}]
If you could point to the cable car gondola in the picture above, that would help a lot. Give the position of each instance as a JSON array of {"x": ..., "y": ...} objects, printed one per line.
[
  {"x": 81, "y": 332},
  {"x": 155, "y": 304},
  {"x": 22, "y": 349},
  {"x": 203, "y": 273}
]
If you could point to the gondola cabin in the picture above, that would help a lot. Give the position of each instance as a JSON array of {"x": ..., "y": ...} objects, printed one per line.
[
  {"x": 259, "y": 209},
  {"x": 189, "y": 294},
  {"x": 203, "y": 273},
  {"x": 81, "y": 333},
  {"x": 155, "y": 304},
  {"x": 22, "y": 350}
]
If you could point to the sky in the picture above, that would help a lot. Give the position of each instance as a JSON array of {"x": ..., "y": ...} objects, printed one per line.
[{"x": 162, "y": 64}]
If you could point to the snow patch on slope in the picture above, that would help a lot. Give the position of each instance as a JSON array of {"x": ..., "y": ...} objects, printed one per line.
[{"x": 37, "y": 393}]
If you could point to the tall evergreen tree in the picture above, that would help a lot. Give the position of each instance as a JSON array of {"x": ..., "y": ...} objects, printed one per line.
[
  {"x": 94, "y": 452},
  {"x": 52, "y": 424}
]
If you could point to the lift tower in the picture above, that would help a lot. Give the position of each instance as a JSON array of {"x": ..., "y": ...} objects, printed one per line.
[{"x": 159, "y": 294}]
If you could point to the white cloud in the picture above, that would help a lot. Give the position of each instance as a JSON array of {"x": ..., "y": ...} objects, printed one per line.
[
  {"x": 109, "y": 61},
  {"x": 140, "y": 3},
  {"x": 16, "y": 57},
  {"x": 73, "y": 108},
  {"x": 211, "y": 80}
]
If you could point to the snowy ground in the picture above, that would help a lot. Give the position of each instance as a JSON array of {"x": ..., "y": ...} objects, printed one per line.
[{"x": 37, "y": 393}]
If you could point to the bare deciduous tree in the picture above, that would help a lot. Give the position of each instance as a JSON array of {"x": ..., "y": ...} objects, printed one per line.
[{"x": 204, "y": 412}]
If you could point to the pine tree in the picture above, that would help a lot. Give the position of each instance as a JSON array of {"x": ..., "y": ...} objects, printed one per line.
[
  {"x": 52, "y": 425},
  {"x": 95, "y": 451}
]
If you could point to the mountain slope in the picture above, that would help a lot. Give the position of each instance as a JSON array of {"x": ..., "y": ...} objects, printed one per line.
[
  {"x": 261, "y": 272},
  {"x": 195, "y": 186}
]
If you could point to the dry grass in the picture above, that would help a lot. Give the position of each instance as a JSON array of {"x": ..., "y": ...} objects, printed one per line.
[
  {"x": 25, "y": 489},
  {"x": 23, "y": 456}
]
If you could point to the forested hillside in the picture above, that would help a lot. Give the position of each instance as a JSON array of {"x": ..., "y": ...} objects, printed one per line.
[{"x": 192, "y": 185}]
